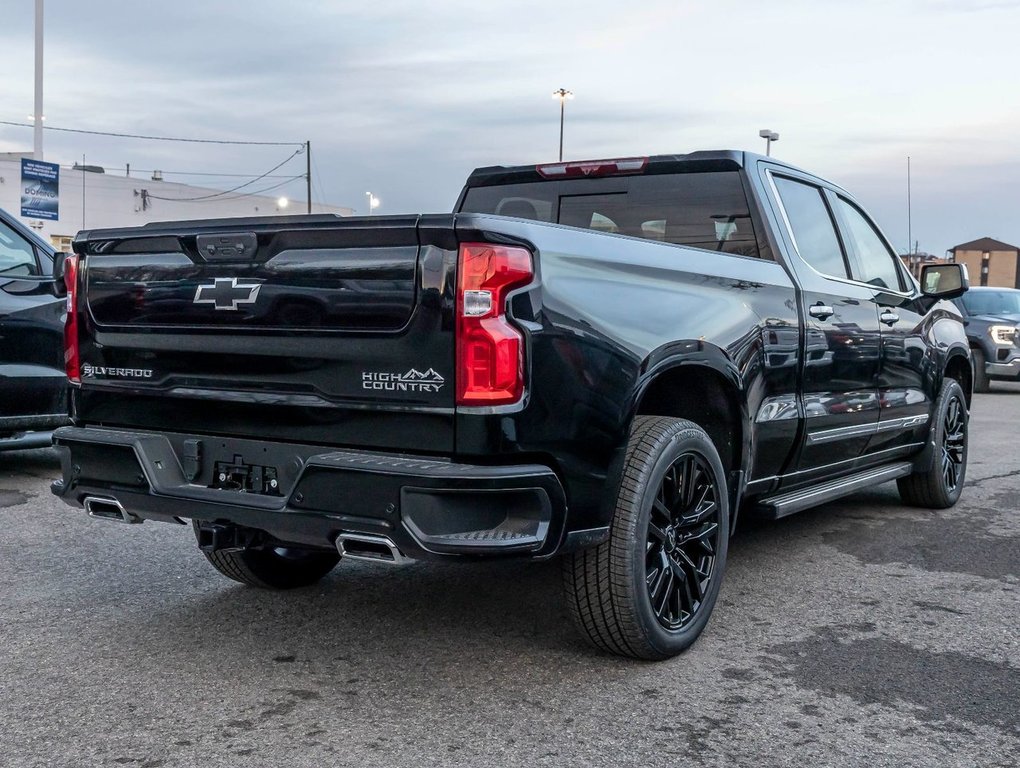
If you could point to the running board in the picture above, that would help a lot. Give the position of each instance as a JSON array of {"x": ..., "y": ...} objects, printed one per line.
[{"x": 783, "y": 504}]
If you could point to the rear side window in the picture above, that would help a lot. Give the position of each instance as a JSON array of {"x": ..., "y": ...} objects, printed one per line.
[
  {"x": 705, "y": 210},
  {"x": 17, "y": 256},
  {"x": 812, "y": 226}
]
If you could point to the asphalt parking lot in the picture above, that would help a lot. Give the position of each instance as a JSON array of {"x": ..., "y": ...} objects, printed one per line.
[{"x": 859, "y": 633}]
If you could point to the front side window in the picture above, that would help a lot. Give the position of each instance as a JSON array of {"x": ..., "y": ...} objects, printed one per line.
[
  {"x": 17, "y": 256},
  {"x": 813, "y": 230},
  {"x": 873, "y": 263}
]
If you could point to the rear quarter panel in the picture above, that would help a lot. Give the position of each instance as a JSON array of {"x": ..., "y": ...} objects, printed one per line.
[{"x": 606, "y": 315}]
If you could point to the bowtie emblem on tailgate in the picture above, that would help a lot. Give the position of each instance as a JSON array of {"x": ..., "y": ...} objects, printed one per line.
[{"x": 227, "y": 293}]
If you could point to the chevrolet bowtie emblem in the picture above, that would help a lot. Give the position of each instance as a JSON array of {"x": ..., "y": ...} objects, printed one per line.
[{"x": 227, "y": 293}]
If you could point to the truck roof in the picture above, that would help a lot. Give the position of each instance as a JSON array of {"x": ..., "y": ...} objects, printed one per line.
[{"x": 692, "y": 162}]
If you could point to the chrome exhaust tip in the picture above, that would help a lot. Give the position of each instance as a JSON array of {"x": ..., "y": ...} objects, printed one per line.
[
  {"x": 108, "y": 509},
  {"x": 365, "y": 546}
]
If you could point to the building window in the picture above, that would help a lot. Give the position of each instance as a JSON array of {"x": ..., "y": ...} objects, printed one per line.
[{"x": 61, "y": 242}]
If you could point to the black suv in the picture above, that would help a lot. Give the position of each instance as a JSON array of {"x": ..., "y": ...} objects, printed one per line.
[
  {"x": 991, "y": 317},
  {"x": 33, "y": 383}
]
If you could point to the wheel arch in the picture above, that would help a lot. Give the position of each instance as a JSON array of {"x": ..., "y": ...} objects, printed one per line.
[
  {"x": 958, "y": 367},
  {"x": 705, "y": 389}
]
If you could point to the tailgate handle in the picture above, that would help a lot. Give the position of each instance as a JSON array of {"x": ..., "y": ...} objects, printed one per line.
[{"x": 238, "y": 246}]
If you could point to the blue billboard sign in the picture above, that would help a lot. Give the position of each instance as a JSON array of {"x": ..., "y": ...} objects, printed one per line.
[{"x": 40, "y": 189}]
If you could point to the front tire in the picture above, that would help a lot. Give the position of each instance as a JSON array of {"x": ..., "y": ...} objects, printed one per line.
[
  {"x": 649, "y": 590},
  {"x": 272, "y": 567},
  {"x": 940, "y": 486}
]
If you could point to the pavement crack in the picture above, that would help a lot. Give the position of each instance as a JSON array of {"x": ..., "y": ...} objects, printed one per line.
[
  {"x": 926, "y": 605},
  {"x": 978, "y": 480}
]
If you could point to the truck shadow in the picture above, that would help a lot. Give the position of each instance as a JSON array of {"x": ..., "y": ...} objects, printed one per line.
[
  {"x": 423, "y": 613},
  {"x": 445, "y": 615}
]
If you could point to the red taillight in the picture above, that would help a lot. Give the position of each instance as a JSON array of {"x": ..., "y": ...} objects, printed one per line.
[
  {"x": 72, "y": 361},
  {"x": 622, "y": 167},
  {"x": 490, "y": 351}
]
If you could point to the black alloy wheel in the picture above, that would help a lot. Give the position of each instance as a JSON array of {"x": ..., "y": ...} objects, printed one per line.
[
  {"x": 954, "y": 443},
  {"x": 939, "y": 484},
  {"x": 683, "y": 537}
]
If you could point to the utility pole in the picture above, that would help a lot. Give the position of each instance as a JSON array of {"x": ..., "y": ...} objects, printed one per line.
[
  {"x": 38, "y": 148},
  {"x": 308, "y": 172},
  {"x": 910, "y": 234}
]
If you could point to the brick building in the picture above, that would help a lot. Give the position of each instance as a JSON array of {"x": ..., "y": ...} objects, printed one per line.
[
  {"x": 914, "y": 261},
  {"x": 990, "y": 262}
]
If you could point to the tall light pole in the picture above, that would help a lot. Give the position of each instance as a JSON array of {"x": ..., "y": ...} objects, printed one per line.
[
  {"x": 38, "y": 148},
  {"x": 769, "y": 137},
  {"x": 910, "y": 233},
  {"x": 373, "y": 202},
  {"x": 562, "y": 94}
]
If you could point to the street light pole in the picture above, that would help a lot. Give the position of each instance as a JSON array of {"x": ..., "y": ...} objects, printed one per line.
[
  {"x": 562, "y": 94},
  {"x": 308, "y": 172},
  {"x": 769, "y": 137},
  {"x": 38, "y": 148}
]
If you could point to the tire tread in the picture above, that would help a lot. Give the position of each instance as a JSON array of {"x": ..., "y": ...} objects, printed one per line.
[
  {"x": 269, "y": 570},
  {"x": 599, "y": 588},
  {"x": 233, "y": 566}
]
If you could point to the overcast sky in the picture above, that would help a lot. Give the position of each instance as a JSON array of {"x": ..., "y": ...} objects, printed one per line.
[{"x": 404, "y": 98}]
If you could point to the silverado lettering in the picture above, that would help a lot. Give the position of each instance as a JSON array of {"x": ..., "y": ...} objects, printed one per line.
[{"x": 100, "y": 370}]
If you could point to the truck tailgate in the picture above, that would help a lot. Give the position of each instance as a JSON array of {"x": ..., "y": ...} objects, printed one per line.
[{"x": 311, "y": 329}]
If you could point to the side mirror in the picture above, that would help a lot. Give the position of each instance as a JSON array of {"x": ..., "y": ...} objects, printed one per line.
[
  {"x": 944, "y": 281},
  {"x": 59, "y": 288}
]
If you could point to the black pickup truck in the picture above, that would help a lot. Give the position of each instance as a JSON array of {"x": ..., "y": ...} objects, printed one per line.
[{"x": 603, "y": 360}]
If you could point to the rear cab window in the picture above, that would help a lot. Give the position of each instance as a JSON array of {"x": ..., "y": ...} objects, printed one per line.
[{"x": 707, "y": 210}]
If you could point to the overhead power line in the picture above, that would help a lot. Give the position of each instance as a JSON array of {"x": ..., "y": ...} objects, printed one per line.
[
  {"x": 108, "y": 168},
  {"x": 270, "y": 188},
  {"x": 302, "y": 146},
  {"x": 159, "y": 138},
  {"x": 233, "y": 189},
  {"x": 251, "y": 193}
]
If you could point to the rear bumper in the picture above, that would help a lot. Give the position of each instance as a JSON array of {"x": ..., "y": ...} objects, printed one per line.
[{"x": 426, "y": 507}]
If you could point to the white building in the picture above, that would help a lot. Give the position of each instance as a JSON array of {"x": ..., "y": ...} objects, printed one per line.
[{"x": 130, "y": 201}]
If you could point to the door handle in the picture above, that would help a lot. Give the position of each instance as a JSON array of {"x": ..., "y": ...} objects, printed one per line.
[
  {"x": 889, "y": 318},
  {"x": 821, "y": 311}
]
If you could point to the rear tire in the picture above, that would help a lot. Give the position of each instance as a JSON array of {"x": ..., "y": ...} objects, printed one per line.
[
  {"x": 272, "y": 568},
  {"x": 940, "y": 486},
  {"x": 982, "y": 383},
  {"x": 649, "y": 590}
]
